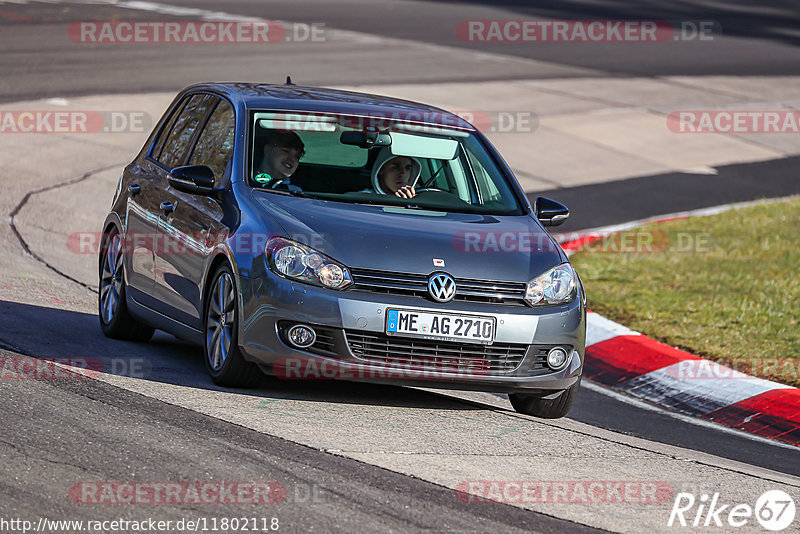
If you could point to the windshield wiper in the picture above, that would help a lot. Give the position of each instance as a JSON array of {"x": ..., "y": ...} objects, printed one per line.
[{"x": 387, "y": 205}]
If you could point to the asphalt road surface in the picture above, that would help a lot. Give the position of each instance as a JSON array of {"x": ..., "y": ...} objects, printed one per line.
[
  {"x": 750, "y": 38},
  {"x": 95, "y": 431},
  {"x": 58, "y": 432}
]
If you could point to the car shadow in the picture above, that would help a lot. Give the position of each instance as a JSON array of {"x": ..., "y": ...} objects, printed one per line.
[{"x": 75, "y": 338}]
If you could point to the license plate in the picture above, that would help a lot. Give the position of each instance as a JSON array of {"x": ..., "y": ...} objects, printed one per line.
[{"x": 440, "y": 326}]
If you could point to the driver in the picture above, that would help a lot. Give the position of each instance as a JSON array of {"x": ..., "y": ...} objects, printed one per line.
[
  {"x": 395, "y": 175},
  {"x": 282, "y": 152}
]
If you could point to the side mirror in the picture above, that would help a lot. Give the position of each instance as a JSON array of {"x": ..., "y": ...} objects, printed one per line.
[
  {"x": 196, "y": 179},
  {"x": 549, "y": 212}
]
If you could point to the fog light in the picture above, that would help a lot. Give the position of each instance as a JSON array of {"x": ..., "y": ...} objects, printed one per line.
[
  {"x": 301, "y": 336},
  {"x": 557, "y": 358}
]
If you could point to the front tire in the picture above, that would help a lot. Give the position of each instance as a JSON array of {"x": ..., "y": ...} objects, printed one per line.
[
  {"x": 538, "y": 406},
  {"x": 224, "y": 361},
  {"x": 115, "y": 319}
]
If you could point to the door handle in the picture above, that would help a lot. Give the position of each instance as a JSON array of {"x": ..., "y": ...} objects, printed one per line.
[
  {"x": 167, "y": 207},
  {"x": 134, "y": 189}
]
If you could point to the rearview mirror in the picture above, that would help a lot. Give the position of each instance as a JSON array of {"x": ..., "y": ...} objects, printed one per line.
[
  {"x": 369, "y": 138},
  {"x": 549, "y": 212},
  {"x": 196, "y": 179}
]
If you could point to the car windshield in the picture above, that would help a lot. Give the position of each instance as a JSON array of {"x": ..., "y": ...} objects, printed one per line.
[{"x": 366, "y": 161}]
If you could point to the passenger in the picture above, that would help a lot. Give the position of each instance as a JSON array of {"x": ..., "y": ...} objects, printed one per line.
[
  {"x": 395, "y": 175},
  {"x": 282, "y": 152}
]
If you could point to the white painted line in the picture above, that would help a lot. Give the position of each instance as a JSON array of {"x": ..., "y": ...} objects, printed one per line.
[
  {"x": 627, "y": 399},
  {"x": 702, "y": 169},
  {"x": 166, "y": 9},
  {"x": 598, "y": 329}
]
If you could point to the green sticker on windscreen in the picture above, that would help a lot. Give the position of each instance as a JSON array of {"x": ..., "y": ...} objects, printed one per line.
[{"x": 263, "y": 178}]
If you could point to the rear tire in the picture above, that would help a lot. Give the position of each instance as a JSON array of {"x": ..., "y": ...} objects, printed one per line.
[
  {"x": 115, "y": 319},
  {"x": 224, "y": 361},
  {"x": 537, "y": 406}
]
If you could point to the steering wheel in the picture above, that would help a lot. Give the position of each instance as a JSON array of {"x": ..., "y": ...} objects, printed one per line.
[{"x": 431, "y": 190}]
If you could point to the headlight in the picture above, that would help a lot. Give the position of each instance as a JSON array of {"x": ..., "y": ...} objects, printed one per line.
[
  {"x": 556, "y": 286},
  {"x": 300, "y": 262}
]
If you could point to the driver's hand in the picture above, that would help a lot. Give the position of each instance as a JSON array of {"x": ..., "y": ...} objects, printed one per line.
[{"x": 407, "y": 191}]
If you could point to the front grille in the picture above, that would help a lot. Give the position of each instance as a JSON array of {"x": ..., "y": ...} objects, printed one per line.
[
  {"x": 443, "y": 356},
  {"x": 469, "y": 290}
]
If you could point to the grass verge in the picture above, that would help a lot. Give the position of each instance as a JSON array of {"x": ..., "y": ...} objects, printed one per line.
[{"x": 724, "y": 287}]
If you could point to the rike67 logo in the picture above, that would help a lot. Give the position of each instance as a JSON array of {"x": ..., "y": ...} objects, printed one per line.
[{"x": 774, "y": 511}]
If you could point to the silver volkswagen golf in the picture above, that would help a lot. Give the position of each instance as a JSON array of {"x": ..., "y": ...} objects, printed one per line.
[{"x": 319, "y": 234}]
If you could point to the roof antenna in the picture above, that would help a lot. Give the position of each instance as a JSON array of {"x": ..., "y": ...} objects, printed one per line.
[{"x": 289, "y": 80}]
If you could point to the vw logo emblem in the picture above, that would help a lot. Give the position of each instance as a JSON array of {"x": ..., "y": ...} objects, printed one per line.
[{"x": 442, "y": 287}]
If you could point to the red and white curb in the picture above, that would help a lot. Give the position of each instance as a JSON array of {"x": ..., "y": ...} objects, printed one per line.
[{"x": 628, "y": 361}]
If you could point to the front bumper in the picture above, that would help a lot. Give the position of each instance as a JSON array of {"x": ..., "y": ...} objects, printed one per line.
[{"x": 355, "y": 347}]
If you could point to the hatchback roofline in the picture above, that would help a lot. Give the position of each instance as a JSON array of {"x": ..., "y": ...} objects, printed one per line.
[{"x": 285, "y": 97}]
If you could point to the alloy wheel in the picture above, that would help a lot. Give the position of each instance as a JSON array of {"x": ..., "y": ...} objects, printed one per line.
[
  {"x": 220, "y": 321},
  {"x": 111, "y": 279}
]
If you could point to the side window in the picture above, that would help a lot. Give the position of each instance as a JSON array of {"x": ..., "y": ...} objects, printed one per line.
[
  {"x": 164, "y": 133},
  {"x": 215, "y": 145},
  {"x": 185, "y": 125}
]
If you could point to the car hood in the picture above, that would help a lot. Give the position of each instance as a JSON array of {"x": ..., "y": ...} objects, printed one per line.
[{"x": 484, "y": 247}]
